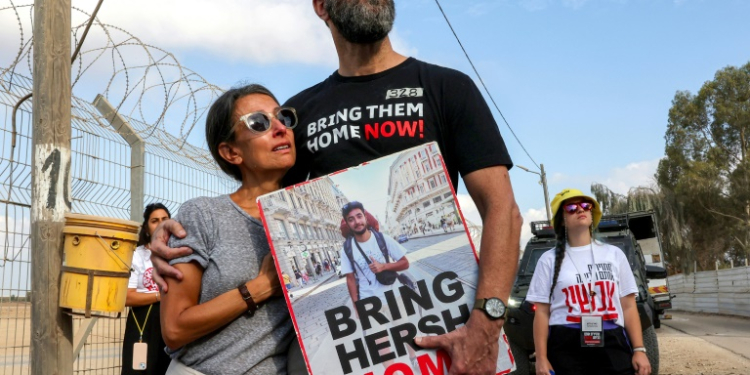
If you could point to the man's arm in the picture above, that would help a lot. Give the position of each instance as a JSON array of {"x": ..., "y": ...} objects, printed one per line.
[
  {"x": 474, "y": 347},
  {"x": 400, "y": 265},
  {"x": 351, "y": 285},
  {"x": 491, "y": 191}
]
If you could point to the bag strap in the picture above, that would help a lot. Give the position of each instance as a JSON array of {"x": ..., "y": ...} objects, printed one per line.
[
  {"x": 361, "y": 252},
  {"x": 381, "y": 244},
  {"x": 348, "y": 252}
]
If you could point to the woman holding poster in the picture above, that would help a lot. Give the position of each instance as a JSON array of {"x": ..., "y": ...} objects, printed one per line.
[
  {"x": 584, "y": 291},
  {"x": 225, "y": 315}
]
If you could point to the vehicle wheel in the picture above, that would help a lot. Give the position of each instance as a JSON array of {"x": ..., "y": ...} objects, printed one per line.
[
  {"x": 652, "y": 349},
  {"x": 657, "y": 320},
  {"x": 523, "y": 365}
]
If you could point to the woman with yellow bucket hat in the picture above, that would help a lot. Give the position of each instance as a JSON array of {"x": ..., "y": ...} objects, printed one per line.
[
  {"x": 143, "y": 325},
  {"x": 586, "y": 319}
]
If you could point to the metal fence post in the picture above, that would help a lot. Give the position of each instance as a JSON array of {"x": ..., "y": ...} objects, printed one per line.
[{"x": 137, "y": 154}]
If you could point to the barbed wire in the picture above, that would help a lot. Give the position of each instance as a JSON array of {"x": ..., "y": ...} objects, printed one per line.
[{"x": 145, "y": 83}]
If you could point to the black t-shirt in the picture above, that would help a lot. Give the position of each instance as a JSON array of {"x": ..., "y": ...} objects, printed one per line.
[{"x": 346, "y": 121}]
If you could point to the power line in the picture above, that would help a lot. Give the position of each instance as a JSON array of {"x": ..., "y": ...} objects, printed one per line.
[{"x": 483, "y": 85}]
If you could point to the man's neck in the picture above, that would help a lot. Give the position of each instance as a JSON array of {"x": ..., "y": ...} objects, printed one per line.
[
  {"x": 365, "y": 59},
  {"x": 364, "y": 237}
]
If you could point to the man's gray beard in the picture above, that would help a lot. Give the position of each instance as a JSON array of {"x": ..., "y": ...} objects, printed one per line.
[{"x": 362, "y": 21}]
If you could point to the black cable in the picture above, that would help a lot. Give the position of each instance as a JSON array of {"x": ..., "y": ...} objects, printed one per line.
[{"x": 485, "y": 86}]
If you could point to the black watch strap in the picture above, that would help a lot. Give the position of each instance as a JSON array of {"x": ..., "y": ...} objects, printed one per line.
[
  {"x": 481, "y": 304},
  {"x": 248, "y": 298}
]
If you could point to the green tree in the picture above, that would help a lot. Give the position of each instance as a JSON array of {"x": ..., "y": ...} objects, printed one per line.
[{"x": 706, "y": 168}]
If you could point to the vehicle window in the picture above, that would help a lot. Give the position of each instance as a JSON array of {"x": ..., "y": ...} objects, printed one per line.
[
  {"x": 625, "y": 244},
  {"x": 536, "y": 253}
]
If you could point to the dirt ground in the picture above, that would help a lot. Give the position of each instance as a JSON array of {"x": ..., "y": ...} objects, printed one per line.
[
  {"x": 100, "y": 354},
  {"x": 714, "y": 350},
  {"x": 684, "y": 354}
]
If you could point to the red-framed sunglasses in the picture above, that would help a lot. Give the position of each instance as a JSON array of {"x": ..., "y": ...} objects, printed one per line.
[{"x": 572, "y": 208}]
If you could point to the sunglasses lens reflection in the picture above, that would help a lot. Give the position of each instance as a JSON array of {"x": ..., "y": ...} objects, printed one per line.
[
  {"x": 258, "y": 122},
  {"x": 287, "y": 117},
  {"x": 573, "y": 207}
]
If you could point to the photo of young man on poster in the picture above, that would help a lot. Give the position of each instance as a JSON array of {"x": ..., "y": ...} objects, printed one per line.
[{"x": 371, "y": 262}]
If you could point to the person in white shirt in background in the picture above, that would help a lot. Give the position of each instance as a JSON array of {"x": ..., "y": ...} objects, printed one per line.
[
  {"x": 579, "y": 280},
  {"x": 143, "y": 299}
]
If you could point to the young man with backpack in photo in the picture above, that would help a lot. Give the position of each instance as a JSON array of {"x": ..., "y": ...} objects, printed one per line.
[{"x": 369, "y": 259}]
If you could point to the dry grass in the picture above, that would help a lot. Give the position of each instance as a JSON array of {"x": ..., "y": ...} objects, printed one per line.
[{"x": 99, "y": 356}]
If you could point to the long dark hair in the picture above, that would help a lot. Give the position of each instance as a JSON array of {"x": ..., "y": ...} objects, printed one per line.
[
  {"x": 143, "y": 236},
  {"x": 560, "y": 241},
  {"x": 220, "y": 124}
]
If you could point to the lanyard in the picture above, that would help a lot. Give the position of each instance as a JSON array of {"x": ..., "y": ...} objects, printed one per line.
[
  {"x": 592, "y": 293},
  {"x": 140, "y": 329}
]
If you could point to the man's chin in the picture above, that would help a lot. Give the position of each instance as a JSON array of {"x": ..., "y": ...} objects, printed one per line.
[{"x": 359, "y": 232}]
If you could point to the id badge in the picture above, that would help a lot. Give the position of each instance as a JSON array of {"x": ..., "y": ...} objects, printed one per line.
[
  {"x": 140, "y": 355},
  {"x": 592, "y": 331}
]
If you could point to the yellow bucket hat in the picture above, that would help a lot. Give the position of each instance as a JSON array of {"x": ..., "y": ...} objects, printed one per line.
[{"x": 596, "y": 212}]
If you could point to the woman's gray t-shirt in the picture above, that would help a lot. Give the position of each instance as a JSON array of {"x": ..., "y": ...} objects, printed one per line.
[{"x": 230, "y": 245}]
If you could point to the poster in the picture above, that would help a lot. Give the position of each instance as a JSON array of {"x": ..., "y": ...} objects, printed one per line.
[{"x": 402, "y": 210}]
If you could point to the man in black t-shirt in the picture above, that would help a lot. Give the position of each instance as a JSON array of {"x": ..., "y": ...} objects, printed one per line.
[
  {"x": 379, "y": 102},
  {"x": 348, "y": 120}
]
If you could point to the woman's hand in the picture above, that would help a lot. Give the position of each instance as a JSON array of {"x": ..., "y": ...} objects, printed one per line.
[
  {"x": 543, "y": 367},
  {"x": 267, "y": 283},
  {"x": 641, "y": 364}
]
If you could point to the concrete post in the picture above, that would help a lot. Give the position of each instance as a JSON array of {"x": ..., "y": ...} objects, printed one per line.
[{"x": 137, "y": 154}]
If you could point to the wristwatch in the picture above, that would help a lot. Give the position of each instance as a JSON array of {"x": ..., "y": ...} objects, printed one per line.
[{"x": 493, "y": 307}]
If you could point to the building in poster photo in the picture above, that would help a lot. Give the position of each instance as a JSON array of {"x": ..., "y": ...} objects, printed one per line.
[
  {"x": 420, "y": 201},
  {"x": 364, "y": 323},
  {"x": 304, "y": 225}
]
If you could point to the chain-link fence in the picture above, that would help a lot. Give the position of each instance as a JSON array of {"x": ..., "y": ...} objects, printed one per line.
[{"x": 174, "y": 171}]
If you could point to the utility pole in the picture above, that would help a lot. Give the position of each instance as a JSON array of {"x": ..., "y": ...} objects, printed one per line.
[
  {"x": 51, "y": 330},
  {"x": 543, "y": 177}
]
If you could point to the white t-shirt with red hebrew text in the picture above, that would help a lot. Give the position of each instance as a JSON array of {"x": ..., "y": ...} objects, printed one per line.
[
  {"x": 140, "y": 278},
  {"x": 612, "y": 280}
]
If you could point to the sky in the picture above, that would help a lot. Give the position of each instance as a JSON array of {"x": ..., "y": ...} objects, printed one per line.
[
  {"x": 585, "y": 84},
  {"x": 368, "y": 186}
]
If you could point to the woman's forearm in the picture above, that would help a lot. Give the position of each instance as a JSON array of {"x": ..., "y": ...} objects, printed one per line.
[
  {"x": 184, "y": 320},
  {"x": 541, "y": 330},
  {"x": 136, "y": 299},
  {"x": 632, "y": 320}
]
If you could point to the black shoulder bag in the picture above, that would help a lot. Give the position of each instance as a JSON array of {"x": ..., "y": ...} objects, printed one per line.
[{"x": 384, "y": 277}]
